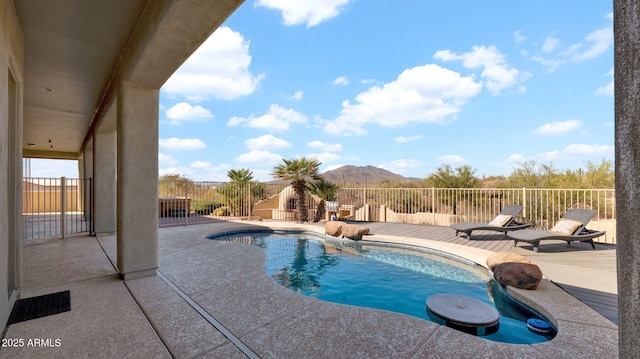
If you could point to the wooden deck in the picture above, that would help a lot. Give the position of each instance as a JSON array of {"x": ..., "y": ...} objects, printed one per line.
[{"x": 585, "y": 273}]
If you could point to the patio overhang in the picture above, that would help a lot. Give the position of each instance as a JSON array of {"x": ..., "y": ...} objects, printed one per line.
[{"x": 76, "y": 52}]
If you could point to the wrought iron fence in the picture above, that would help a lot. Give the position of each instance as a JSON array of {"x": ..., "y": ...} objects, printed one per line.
[
  {"x": 182, "y": 202},
  {"x": 197, "y": 202},
  {"x": 55, "y": 207}
]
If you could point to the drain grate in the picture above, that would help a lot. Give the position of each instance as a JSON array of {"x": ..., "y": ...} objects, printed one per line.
[{"x": 41, "y": 306}]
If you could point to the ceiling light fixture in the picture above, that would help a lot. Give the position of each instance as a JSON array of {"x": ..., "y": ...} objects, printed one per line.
[{"x": 31, "y": 144}]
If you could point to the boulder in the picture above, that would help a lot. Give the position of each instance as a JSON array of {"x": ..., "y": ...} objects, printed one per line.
[
  {"x": 353, "y": 231},
  {"x": 505, "y": 257},
  {"x": 518, "y": 275},
  {"x": 334, "y": 228}
]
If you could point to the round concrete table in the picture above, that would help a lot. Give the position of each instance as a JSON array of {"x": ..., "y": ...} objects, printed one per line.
[{"x": 464, "y": 313}]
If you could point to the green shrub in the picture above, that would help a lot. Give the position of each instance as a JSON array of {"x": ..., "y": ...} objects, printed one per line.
[
  {"x": 206, "y": 207},
  {"x": 222, "y": 211}
]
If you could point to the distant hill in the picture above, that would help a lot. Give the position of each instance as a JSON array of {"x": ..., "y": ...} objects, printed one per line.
[{"x": 361, "y": 175}]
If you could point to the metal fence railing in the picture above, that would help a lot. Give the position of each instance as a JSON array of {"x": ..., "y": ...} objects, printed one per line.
[
  {"x": 55, "y": 207},
  {"x": 184, "y": 202}
]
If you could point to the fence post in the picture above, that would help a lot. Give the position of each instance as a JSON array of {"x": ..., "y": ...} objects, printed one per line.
[
  {"x": 433, "y": 205},
  {"x": 249, "y": 199},
  {"x": 92, "y": 231},
  {"x": 63, "y": 205},
  {"x": 524, "y": 202},
  {"x": 187, "y": 207}
]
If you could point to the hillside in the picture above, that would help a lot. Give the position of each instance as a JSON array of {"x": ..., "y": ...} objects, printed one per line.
[{"x": 360, "y": 175}]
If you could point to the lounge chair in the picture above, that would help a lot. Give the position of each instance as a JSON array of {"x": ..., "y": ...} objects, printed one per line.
[
  {"x": 572, "y": 227},
  {"x": 504, "y": 222}
]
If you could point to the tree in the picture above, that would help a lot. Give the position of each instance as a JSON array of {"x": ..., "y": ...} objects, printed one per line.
[
  {"x": 446, "y": 177},
  {"x": 531, "y": 175},
  {"x": 242, "y": 175},
  {"x": 599, "y": 175},
  {"x": 299, "y": 172},
  {"x": 326, "y": 191},
  {"x": 174, "y": 185},
  {"x": 240, "y": 191},
  {"x": 462, "y": 177}
]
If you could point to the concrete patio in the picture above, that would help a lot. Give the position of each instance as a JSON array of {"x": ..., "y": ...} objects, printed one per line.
[{"x": 213, "y": 299}]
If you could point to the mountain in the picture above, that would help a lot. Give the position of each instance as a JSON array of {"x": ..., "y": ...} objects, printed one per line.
[{"x": 358, "y": 175}]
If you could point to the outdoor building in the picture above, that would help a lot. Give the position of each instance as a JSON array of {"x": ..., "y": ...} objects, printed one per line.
[{"x": 81, "y": 79}]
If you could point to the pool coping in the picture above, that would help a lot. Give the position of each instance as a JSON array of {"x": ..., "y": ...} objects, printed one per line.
[{"x": 581, "y": 330}]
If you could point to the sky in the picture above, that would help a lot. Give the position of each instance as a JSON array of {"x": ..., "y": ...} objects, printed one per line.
[{"x": 407, "y": 86}]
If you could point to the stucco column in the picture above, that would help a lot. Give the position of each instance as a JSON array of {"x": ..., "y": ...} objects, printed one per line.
[
  {"x": 627, "y": 144},
  {"x": 137, "y": 180},
  {"x": 87, "y": 163},
  {"x": 104, "y": 181}
]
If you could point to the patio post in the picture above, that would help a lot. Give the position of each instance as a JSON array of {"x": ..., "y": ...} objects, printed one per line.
[
  {"x": 137, "y": 184},
  {"x": 627, "y": 171}
]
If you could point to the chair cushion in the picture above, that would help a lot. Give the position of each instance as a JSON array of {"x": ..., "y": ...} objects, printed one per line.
[
  {"x": 500, "y": 220},
  {"x": 566, "y": 226}
]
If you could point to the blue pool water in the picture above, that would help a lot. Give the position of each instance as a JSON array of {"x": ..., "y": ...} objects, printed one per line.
[{"x": 383, "y": 277}]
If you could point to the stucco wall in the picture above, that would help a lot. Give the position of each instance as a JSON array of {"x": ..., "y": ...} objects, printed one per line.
[{"x": 11, "y": 75}]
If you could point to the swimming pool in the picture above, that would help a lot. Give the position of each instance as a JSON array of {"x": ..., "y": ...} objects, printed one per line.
[{"x": 393, "y": 278}]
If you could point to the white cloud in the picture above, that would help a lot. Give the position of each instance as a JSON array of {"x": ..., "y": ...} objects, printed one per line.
[
  {"x": 575, "y": 151},
  {"x": 608, "y": 88},
  {"x": 519, "y": 37},
  {"x": 278, "y": 119},
  {"x": 200, "y": 171},
  {"x": 259, "y": 157},
  {"x": 309, "y": 12},
  {"x": 47, "y": 168},
  {"x": 166, "y": 160},
  {"x": 183, "y": 171},
  {"x": 583, "y": 149},
  {"x": 571, "y": 152},
  {"x": 218, "y": 69},
  {"x": 200, "y": 164},
  {"x": 181, "y": 144},
  {"x": 324, "y": 157},
  {"x": 550, "y": 44},
  {"x": 330, "y": 147},
  {"x": 596, "y": 43},
  {"x": 342, "y": 81},
  {"x": 451, "y": 159},
  {"x": 402, "y": 166},
  {"x": 549, "y": 64},
  {"x": 423, "y": 94},
  {"x": 558, "y": 127},
  {"x": 184, "y": 112},
  {"x": 516, "y": 158},
  {"x": 496, "y": 72},
  {"x": 405, "y": 139},
  {"x": 298, "y": 95},
  {"x": 266, "y": 142}
]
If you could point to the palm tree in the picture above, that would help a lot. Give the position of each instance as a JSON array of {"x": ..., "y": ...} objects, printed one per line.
[
  {"x": 298, "y": 172},
  {"x": 235, "y": 192},
  {"x": 242, "y": 175},
  {"x": 326, "y": 191}
]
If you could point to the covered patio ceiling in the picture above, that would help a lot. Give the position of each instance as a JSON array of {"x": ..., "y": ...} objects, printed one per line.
[{"x": 76, "y": 51}]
